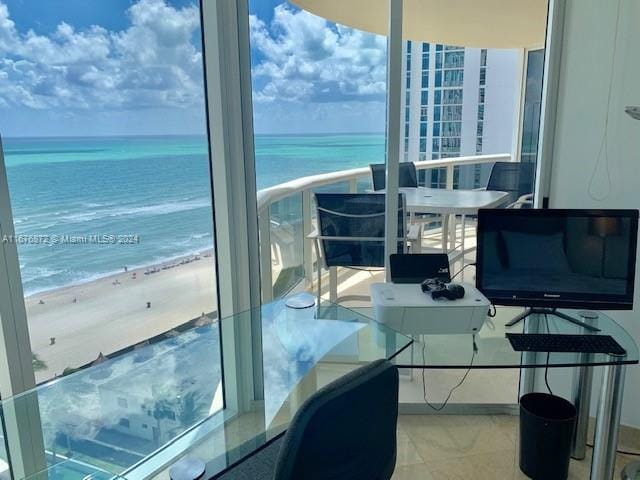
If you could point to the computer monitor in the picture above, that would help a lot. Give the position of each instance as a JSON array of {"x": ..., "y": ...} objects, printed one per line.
[{"x": 553, "y": 258}]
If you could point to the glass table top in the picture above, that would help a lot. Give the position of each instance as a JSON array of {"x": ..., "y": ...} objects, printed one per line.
[
  {"x": 493, "y": 349},
  {"x": 133, "y": 415}
]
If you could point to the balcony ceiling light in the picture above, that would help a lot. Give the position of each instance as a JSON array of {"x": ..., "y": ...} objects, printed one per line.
[{"x": 468, "y": 23}]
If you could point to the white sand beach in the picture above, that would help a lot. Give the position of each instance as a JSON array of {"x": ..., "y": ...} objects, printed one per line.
[{"x": 111, "y": 313}]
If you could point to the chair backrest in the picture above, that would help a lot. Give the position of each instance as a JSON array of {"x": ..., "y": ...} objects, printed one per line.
[
  {"x": 346, "y": 430},
  {"x": 351, "y": 228},
  {"x": 516, "y": 178},
  {"x": 408, "y": 177}
]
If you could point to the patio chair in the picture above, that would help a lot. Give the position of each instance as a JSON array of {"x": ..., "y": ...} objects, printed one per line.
[
  {"x": 408, "y": 177},
  {"x": 350, "y": 233},
  {"x": 515, "y": 178}
]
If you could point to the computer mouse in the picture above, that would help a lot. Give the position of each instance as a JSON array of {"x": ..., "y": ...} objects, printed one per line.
[{"x": 456, "y": 290}]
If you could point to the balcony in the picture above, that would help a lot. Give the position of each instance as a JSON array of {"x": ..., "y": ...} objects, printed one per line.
[
  {"x": 288, "y": 265},
  {"x": 287, "y": 216}
]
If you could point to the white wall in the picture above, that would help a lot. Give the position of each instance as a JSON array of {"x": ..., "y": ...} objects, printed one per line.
[{"x": 587, "y": 56}]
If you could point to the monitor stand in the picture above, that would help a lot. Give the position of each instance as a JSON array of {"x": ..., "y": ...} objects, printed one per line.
[{"x": 549, "y": 311}]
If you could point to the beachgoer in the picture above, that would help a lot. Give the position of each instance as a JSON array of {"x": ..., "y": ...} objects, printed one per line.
[
  {"x": 148, "y": 304},
  {"x": 41, "y": 302}
]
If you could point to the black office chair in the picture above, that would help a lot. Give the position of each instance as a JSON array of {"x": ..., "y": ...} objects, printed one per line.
[
  {"x": 345, "y": 431},
  {"x": 350, "y": 233},
  {"x": 515, "y": 178},
  {"x": 407, "y": 175}
]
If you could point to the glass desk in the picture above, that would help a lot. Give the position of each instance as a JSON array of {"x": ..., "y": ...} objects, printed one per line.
[
  {"x": 133, "y": 416},
  {"x": 493, "y": 351}
]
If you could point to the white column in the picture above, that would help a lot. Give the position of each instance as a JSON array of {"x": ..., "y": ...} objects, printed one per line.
[
  {"x": 550, "y": 86},
  {"x": 23, "y": 427},
  {"x": 228, "y": 86},
  {"x": 394, "y": 127}
]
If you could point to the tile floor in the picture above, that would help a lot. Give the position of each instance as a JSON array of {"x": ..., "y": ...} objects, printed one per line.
[{"x": 461, "y": 447}]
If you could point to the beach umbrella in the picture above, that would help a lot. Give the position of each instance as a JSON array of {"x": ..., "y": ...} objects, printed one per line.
[{"x": 466, "y": 23}]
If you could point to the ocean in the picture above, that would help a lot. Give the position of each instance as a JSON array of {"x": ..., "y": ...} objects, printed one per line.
[{"x": 155, "y": 188}]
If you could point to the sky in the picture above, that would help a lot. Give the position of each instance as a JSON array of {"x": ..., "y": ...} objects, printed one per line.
[{"x": 134, "y": 67}]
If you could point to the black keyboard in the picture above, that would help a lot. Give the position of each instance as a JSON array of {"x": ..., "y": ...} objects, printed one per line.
[{"x": 546, "y": 342}]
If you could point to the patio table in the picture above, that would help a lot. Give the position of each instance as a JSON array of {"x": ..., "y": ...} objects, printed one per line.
[{"x": 450, "y": 203}]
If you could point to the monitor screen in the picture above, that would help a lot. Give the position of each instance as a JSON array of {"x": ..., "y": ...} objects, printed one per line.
[{"x": 557, "y": 258}]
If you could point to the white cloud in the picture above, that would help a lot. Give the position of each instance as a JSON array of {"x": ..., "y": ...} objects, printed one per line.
[
  {"x": 305, "y": 58},
  {"x": 153, "y": 63}
]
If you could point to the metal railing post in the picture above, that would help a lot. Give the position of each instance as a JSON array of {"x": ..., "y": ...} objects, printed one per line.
[
  {"x": 353, "y": 185},
  {"x": 450, "y": 172},
  {"x": 307, "y": 249},
  {"x": 266, "y": 273}
]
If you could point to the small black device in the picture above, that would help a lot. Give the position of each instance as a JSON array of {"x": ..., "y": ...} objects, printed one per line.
[
  {"x": 545, "y": 259},
  {"x": 561, "y": 343},
  {"x": 415, "y": 267},
  {"x": 439, "y": 289}
]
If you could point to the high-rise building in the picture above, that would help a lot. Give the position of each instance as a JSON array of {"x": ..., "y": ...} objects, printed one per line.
[{"x": 459, "y": 101}]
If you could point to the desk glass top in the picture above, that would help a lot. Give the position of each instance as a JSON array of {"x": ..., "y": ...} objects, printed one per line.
[
  {"x": 494, "y": 349},
  {"x": 130, "y": 416}
]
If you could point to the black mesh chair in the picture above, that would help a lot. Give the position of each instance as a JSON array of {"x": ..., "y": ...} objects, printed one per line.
[
  {"x": 345, "y": 431},
  {"x": 407, "y": 174},
  {"x": 350, "y": 233},
  {"x": 515, "y": 178}
]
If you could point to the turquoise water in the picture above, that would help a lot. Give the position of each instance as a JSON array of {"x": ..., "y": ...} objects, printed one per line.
[{"x": 154, "y": 188}]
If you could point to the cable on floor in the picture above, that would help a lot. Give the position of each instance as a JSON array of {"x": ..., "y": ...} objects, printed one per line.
[{"x": 424, "y": 381}]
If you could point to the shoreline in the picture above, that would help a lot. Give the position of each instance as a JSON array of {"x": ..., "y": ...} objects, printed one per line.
[
  {"x": 209, "y": 251},
  {"x": 71, "y": 326}
]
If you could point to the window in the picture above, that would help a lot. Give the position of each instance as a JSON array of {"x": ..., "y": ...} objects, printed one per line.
[
  {"x": 483, "y": 57},
  {"x": 454, "y": 59},
  {"x": 532, "y": 103},
  {"x": 423, "y": 129},
  {"x": 423, "y": 145},
  {"x": 438, "y": 60},
  {"x": 437, "y": 97},
  {"x": 424, "y": 113},
  {"x": 436, "y": 114},
  {"x": 452, "y": 112},
  {"x": 481, "y": 93},
  {"x": 436, "y": 129},
  {"x": 453, "y": 78},
  {"x": 483, "y": 76},
  {"x": 424, "y": 98},
  {"x": 451, "y": 129},
  {"x": 452, "y": 96},
  {"x": 425, "y": 62},
  {"x": 112, "y": 173},
  {"x": 425, "y": 79},
  {"x": 131, "y": 213},
  {"x": 438, "y": 78}
]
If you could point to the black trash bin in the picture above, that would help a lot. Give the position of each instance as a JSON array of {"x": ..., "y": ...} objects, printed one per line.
[{"x": 546, "y": 430}]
